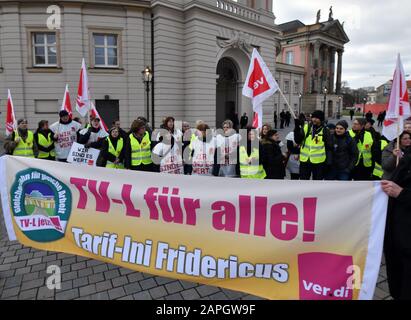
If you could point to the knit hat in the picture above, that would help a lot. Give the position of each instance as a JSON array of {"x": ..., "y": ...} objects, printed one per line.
[
  {"x": 63, "y": 113},
  {"x": 331, "y": 126},
  {"x": 318, "y": 114},
  {"x": 343, "y": 124}
]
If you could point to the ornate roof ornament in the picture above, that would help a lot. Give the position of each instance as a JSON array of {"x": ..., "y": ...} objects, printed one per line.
[
  {"x": 318, "y": 16},
  {"x": 330, "y": 17},
  {"x": 239, "y": 40}
]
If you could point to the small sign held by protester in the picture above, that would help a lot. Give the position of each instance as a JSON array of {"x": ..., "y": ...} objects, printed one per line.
[{"x": 79, "y": 154}]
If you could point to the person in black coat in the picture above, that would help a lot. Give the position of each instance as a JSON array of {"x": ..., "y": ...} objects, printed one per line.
[
  {"x": 342, "y": 153},
  {"x": 397, "y": 241},
  {"x": 273, "y": 158}
]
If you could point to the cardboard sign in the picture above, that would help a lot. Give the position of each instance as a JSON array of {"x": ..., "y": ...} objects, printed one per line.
[{"x": 79, "y": 154}]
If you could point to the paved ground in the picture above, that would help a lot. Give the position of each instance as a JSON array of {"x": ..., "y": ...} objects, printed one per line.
[{"x": 23, "y": 276}]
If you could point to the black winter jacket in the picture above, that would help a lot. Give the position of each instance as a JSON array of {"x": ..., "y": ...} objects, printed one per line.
[
  {"x": 272, "y": 160},
  {"x": 343, "y": 153}
]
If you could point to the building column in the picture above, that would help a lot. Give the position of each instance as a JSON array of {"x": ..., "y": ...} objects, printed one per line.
[
  {"x": 332, "y": 69},
  {"x": 316, "y": 88},
  {"x": 325, "y": 69},
  {"x": 339, "y": 71}
]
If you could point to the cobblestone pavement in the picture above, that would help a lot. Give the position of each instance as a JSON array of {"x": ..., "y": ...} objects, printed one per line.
[{"x": 23, "y": 276}]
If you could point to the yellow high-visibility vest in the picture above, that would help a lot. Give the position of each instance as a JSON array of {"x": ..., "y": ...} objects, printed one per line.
[
  {"x": 364, "y": 148},
  {"x": 378, "y": 172},
  {"x": 45, "y": 143},
  {"x": 313, "y": 149},
  {"x": 115, "y": 152},
  {"x": 25, "y": 149},
  {"x": 140, "y": 153},
  {"x": 250, "y": 171}
]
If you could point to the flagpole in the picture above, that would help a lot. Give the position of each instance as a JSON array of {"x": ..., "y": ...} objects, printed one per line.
[
  {"x": 288, "y": 105},
  {"x": 400, "y": 121}
]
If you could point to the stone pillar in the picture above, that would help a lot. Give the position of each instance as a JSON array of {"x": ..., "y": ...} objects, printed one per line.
[
  {"x": 316, "y": 88},
  {"x": 332, "y": 69},
  {"x": 339, "y": 71},
  {"x": 325, "y": 68}
]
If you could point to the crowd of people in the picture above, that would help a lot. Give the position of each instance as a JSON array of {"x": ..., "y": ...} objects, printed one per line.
[{"x": 314, "y": 150}]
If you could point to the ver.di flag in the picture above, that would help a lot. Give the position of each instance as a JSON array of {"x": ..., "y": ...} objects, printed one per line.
[
  {"x": 66, "y": 105},
  {"x": 83, "y": 94},
  {"x": 398, "y": 106},
  {"x": 11, "y": 123},
  {"x": 259, "y": 86}
]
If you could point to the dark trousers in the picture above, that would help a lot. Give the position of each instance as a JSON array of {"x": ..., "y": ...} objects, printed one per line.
[
  {"x": 338, "y": 175},
  {"x": 361, "y": 173},
  {"x": 188, "y": 169},
  {"x": 143, "y": 167},
  {"x": 295, "y": 176},
  {"x": 282, "y": 124},
  {"x": 62, "y": 160},
  {"x": 307, "y": 169},
  {"x": 398, "y": 260}
]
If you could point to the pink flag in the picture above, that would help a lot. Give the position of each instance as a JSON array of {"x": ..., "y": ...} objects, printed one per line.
[
  {"x": 83, "y": 95},
  {"x": 94, "y": 113},
  {"x": 66, "y": 105},
  {"x": 11, "y": 123},
  {"x": 259, "y": 86},
  {"x": 398, "y": 107}
]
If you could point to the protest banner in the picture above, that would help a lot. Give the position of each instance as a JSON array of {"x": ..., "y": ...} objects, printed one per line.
[
  {"x": 79, "y": 154},
  {"x": 274, "y": 239}
]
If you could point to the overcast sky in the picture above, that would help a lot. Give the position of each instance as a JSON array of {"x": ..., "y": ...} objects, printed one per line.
[{"x": 377, "y": 29}]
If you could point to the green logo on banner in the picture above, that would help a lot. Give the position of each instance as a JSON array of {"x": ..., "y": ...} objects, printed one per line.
[{"x": 41, "y": 205}]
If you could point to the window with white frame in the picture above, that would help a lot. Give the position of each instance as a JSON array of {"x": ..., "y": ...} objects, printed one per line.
[
  {"x": 286, "y": 86},
  {"x": 105, "y": 50},
  {"x": 289, "y": 57},
  {"x": 44, "y": 49},
  {"x": 296, "y": 86}
]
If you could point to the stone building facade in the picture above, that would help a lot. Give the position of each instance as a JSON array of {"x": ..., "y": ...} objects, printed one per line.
[
  {"x": 199, "y": 52},
  {"x": 318, "y": 48}
]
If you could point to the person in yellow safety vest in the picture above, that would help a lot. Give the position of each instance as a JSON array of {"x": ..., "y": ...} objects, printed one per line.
[
  {"x": 137, "y": 155},
  {"x": 378, "y": 171},
  {"x": 367, "y": 151},
  {"x": 21, "y": 142},
  {"x": 112, "y": 151},
  {"x": 44, "y": 139},
  {"x": 390, "y": 153},
  {"x": 313, "y": 138},
  {"x": 250, "y": 157}
]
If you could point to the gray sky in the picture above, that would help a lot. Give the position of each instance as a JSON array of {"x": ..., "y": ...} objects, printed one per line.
[{"x": 377, "y": 29}]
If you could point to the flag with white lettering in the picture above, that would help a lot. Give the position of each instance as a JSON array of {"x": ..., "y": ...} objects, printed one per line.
[
  {"x": 66, "y": 105},
  {"x": 398, "y": 107},
  {"x": 83, "y": 94},
  {"x": 259, "y": 86},
  {"x": 11, "y": 123}
]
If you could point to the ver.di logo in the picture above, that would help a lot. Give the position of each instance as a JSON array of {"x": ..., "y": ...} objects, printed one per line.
[{"x": 41, "y": 205}]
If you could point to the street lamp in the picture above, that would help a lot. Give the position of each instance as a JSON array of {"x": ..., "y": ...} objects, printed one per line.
[
  {"x": 147, "y": 76},
  {"x": 339, "y": 107},
  {"x": 325, "y": 90},
  {"x": 300, "y": 96},
  {"x": 365, "y": 102}
]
